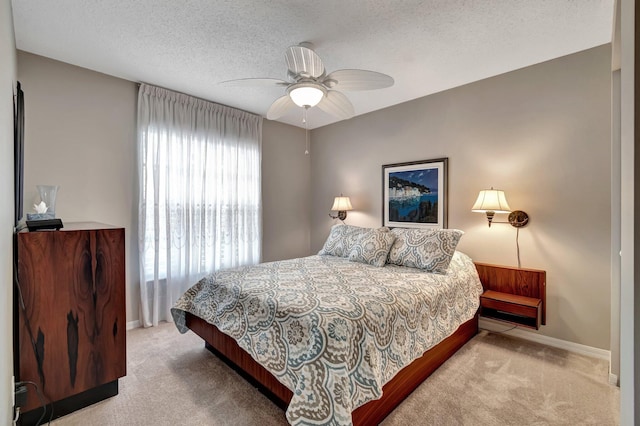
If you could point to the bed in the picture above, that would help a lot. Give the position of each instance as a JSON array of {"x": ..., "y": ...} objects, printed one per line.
[{"x": 344, "y": 336}]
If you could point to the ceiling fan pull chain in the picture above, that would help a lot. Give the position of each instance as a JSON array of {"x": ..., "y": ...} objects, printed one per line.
[{"x": 306, "y": 129}]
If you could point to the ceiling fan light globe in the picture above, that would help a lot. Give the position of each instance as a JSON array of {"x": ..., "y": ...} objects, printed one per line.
[{"x": 306, "y": 95}]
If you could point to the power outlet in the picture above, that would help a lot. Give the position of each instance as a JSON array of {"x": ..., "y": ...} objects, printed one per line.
[{"x": 20, "y": 395}]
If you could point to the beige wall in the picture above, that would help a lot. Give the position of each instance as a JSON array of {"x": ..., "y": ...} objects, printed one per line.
[
  {"x": 80, "y": 134},
  {"x": 542, "y": 134},
  {"x": 7, "y": 84},
  {"x": 286, "y": 179}
]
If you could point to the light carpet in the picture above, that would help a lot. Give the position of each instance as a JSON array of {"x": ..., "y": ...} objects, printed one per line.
[{"x": 493, "y": 380}]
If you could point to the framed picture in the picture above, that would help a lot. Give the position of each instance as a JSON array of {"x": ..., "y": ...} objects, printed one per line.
[{"x": 414, "y": 194}]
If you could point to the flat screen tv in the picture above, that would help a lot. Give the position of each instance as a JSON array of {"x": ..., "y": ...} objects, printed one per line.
[{"x": 18, "y": 152}]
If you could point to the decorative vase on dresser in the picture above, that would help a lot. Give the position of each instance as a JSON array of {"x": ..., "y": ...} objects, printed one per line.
[{"x": 70, "y": 325}]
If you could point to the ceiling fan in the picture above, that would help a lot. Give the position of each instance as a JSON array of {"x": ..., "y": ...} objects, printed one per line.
[{"x": 309, "y": 85}]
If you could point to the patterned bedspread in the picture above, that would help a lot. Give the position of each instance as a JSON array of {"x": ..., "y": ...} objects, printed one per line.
[{"x": 331, "y": 330}]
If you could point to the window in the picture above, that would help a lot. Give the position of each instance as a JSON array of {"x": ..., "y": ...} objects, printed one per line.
[{"x": 200, "y": 201}]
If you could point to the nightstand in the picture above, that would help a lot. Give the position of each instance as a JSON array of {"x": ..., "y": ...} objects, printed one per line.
[{"x": 514, "y": 295}]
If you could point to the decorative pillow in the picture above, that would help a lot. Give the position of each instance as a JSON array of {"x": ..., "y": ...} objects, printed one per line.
[
  {"x": 429, "y": 249},
  {"x": 373, "y": 247},
  {"x": 341, "y": 238}
]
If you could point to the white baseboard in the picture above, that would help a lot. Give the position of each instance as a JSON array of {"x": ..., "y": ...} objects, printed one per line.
[
  {"x": 133, "y": 324},
  {"x": 613, "y": 379},
  {"x": 590, "y": 351}
]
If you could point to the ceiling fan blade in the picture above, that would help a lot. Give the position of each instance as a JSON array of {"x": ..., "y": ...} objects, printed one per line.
[
  {"x": 253, "y": 82},
  {"x": 280, "y": 107},
  {"x": 337, "y": 104},
  {"x": 357, "y": 80},
  {"x": 304, "y": 62}
]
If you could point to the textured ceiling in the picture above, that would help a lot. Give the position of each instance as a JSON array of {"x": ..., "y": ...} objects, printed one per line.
[{"x": 426, "y": 46}]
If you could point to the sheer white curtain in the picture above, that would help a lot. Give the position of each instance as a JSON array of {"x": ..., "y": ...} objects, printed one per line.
[{"x": 200, "y": 200}]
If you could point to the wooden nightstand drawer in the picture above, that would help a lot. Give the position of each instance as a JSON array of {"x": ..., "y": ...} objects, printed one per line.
[
  {"x": 518, "y": 305},
  {"x": 515, "y": 295},
  {"x": 521, "y": 310}
]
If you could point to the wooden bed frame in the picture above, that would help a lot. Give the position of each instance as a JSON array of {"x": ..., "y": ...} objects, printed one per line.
[{"x": 373, "y": 412}]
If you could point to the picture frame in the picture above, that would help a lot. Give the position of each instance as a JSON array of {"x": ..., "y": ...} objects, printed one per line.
[{"x": 414, "y": 194}]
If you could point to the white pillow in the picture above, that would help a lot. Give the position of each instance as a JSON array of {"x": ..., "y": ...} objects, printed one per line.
[{"x": 428, "y": 249}]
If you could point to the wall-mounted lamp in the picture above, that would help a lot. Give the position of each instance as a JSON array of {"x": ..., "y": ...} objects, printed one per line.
[
  {"x": 341, "y": 205},
  {"x": 492, "y": 201}
]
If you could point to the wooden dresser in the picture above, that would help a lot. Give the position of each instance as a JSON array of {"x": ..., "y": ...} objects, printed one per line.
[{"x": 70, "y": 307}]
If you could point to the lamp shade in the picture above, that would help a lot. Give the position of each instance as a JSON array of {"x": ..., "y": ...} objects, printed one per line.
[
  {"x": 491, "y": 200},
  {"x": 341, "y": 204},
  {"x": 306, "y": 94}
]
